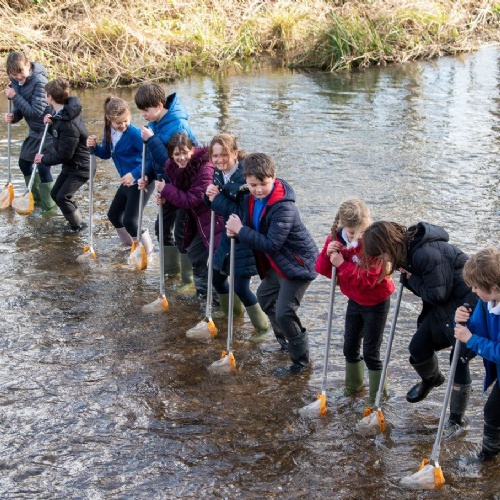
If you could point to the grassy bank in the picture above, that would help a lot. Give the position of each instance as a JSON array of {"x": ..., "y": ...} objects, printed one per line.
[{"x": 94, "y": 42}]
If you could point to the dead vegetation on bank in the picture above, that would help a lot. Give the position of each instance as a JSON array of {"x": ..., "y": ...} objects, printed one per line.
[{"x": 92, "y": 42}]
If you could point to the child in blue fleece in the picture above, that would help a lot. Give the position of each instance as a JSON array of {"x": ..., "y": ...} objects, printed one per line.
[
  {"x": 481, "y": 333},
  {"x": 123, "y": 143}
]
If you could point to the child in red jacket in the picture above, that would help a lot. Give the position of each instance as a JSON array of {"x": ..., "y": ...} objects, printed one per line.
[{"x": 368, "y": 292}]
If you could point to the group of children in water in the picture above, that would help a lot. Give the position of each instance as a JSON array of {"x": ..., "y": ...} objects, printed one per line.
[{"x": 240, "y": 196}]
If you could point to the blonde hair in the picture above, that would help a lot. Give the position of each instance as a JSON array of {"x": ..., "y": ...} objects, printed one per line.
[
  {"x": 228, "y": 144},
  {"x": 353, "y": 213},
  {"x": 482, "y": 270}
]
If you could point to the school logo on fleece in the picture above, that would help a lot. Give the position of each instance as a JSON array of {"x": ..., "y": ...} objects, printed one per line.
[{"x": 356, "y": 259}]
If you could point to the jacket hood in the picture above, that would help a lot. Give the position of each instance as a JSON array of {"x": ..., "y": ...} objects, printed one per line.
[
  {"x": 282, "y": 192},
  {"x": 38, "y": 69},
  {"x": 176, "y": 110},
  {"x": 72, "y": 108},
  {"x": 427, "y": 233}
]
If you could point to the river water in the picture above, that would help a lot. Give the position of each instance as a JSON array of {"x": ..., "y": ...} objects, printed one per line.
[{"x": 99, "y": 400}]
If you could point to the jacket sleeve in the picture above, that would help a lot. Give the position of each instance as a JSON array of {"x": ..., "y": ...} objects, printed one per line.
[
  {"x": 280, "y": 224},
  {"x": 103, "y": 150},
  {"x": 157, "y": 157},
  {"x": 432, "y": 276},
  {"x": 30, "y": 109},
  {"x": 194, "y": 196},
  {"x": 69, "y": 137},
  {"x": 225, "y": 207},
  {"x": 323, "y": 264}
]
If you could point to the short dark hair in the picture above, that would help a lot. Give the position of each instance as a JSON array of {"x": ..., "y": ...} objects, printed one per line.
[
  {"x": 149, "y": 95},
  {"x": 259, "y": 165},
  {"x": 58, "y": 89}
]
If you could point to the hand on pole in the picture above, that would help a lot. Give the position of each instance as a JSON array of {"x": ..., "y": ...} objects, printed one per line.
[{"x": 234, "y": 224}]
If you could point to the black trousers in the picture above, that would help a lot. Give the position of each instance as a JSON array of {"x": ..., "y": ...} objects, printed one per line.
[{"x": 365, "y": 324}]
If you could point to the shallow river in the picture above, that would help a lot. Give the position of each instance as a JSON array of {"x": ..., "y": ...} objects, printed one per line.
[{"x": 99, "y": 400}]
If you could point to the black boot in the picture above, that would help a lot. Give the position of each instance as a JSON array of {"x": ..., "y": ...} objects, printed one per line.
[
  {"x": 458, "y": 404},
  {"x": 298, "y": 349},
  {"x": 491, "y": 443},
  {"x": 431, "y": 377}
]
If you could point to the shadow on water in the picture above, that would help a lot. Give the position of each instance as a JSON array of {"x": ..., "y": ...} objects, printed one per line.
[{"x": 99, "y": 400}]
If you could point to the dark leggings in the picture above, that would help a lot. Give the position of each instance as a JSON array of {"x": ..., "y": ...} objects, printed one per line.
[
  {"x": 431, "y": 337},
  {"x": 365, "y": 324},
  {"x": 124, "y": 209},
  {"x": 43, "y": 170},
  {"x": 241, "y": 287}
]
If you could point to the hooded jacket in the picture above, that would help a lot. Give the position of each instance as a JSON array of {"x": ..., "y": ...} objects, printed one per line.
[
  {"x": 282, "y": 242},
  {"x": 175, "y": 120},
  {"x": 187, "y": 190},
  {"x": 30, "y": 103},
  {"x": 436, "y": 274},
  {"x": 70, "y": 138}
]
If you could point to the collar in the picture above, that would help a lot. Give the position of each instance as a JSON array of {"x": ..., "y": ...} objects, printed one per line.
[{"x": 349, "y": 244}]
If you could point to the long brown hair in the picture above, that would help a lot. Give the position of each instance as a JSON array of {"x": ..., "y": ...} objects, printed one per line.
[{"x": 384, "y": 237}]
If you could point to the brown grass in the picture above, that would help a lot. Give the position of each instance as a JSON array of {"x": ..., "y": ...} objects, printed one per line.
[{"x": 92, "y": 42}]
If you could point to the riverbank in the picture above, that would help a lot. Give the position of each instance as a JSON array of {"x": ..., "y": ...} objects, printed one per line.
[{"x": 92, "y": 42}]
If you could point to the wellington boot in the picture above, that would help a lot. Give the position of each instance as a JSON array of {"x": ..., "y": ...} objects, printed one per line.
[
  {"x": 458, "y": 404},
  {"x": 48, "y": 204},
  {"x": 172, "y": 261},
  {"x": 431, "y": 377},
  {"x": 298, "y": 349},
  {"x": 354, "y": 377},
  {"x": 491, "y": 443},
  {"x": 35, "y": 188},
  {"x": 260, "y": 322},
  {"x": 125, "y": 238},
  {"x": 373, "y": 384},
  {"x": 186, "y": 269},
  {"x": 224, "y": 305},
  {"x": 75, "y": 220}
]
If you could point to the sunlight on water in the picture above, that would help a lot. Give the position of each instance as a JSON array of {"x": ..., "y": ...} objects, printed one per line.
[{"x": 99, "y": 400}]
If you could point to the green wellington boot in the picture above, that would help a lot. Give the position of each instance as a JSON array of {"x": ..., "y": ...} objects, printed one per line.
[
  {"x": 187, "y": 289},
  {"x": 260, "y": 322},
  {"x": 46, "y": 201},
  {"x": 224, "y": 305},
  {"x": 354, "y": 377},
  {"x": 35, "y": 188},
  {"x": 373, "y": 384},
  {"x": 171, "y": 261}
]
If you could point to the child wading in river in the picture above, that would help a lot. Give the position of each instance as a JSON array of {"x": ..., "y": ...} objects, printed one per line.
[
  {"x": 368, "y": 291},
  {"x": 482, "y": 335}
]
